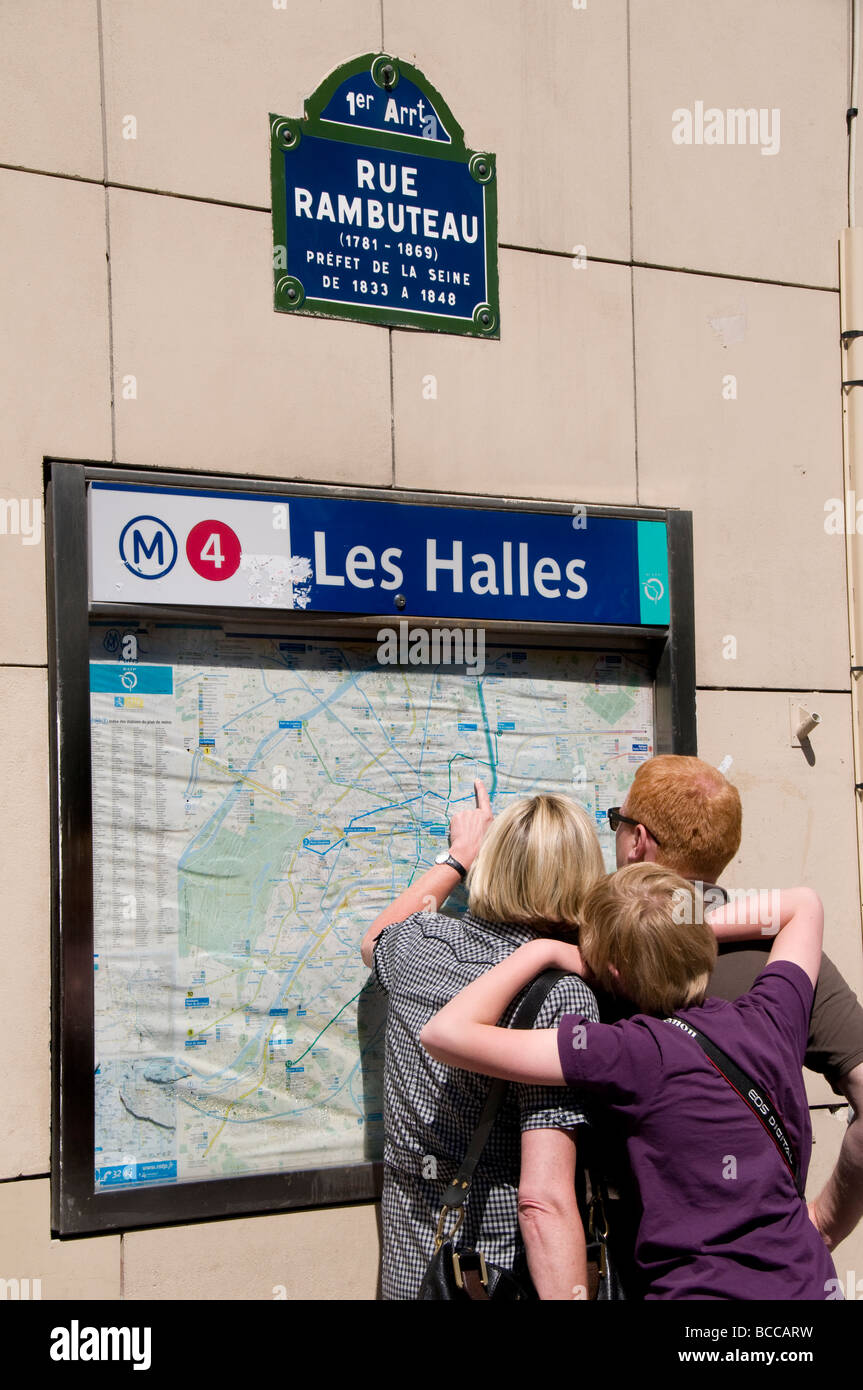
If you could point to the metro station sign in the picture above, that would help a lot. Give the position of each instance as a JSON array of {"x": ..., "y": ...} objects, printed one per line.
[
  {"x": 380, "y": 212},
  {"x": 213, "y": 548}
]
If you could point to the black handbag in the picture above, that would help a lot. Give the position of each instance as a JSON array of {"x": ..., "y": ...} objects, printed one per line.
[{"x": 456, "y": 1273}]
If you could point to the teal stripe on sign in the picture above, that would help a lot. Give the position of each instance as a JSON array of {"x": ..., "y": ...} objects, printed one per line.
[
  {"x": 653, "y": 572},
  {"x": 118, "y": 678}
]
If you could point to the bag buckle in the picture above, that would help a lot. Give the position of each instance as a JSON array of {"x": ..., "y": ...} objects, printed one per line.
[
  {"x": 598, "y": 1229},
  {"x": 440, "y": 1234},
  {"x": 597, "y": 1215},
  {"x": 473, "y": 1261}
]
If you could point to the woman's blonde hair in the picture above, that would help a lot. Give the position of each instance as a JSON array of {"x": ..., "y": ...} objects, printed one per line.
[
  {"x": 643, "y": 922},
  {"x": 537, "y": 862}
]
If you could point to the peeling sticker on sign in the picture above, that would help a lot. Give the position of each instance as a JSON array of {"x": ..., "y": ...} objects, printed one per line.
[{"x": 278, "y": 582}]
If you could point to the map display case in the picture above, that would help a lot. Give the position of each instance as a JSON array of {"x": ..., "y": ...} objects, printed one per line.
[{"x": 251, "y": 759}]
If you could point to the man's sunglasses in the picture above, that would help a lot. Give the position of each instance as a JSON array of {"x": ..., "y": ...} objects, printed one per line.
[{"x": 615, "y": 819}]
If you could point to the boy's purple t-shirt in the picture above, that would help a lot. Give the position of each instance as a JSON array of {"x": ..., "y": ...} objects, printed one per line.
[{"x": 721, "y": 1214}]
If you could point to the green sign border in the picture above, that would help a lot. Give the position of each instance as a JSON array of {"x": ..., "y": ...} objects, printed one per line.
[{"x": 287, "y": 132}]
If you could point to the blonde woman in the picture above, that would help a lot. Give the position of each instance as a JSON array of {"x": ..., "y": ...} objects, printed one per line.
[
  {"x": 528, "y": 871},
  {"x": 722, "y": 1216}
]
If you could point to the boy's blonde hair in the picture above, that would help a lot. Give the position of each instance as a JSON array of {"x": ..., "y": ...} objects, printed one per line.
[
  {"x": 535, "y": 865},
  {"x": 641, "y": 922}
]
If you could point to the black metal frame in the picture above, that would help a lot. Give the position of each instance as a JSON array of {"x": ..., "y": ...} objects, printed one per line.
[{"x": 76, "y": 1208}]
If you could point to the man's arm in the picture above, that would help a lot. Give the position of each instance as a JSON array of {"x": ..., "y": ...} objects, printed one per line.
[
  {"x": 839, "y": 1206},
  {"x": 548, "y": 1213},
  {"x": 466, "y": 833}
]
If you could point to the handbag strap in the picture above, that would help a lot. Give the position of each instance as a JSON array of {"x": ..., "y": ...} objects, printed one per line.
[
  {"x": 755, "y": 1097},
  {"x": 525, "y": 1016}
]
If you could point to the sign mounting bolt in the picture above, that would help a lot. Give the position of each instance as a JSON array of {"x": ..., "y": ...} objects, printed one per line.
[{"x": 400, "y": 600}]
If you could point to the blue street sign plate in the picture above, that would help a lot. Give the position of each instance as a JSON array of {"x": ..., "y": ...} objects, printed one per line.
[{"x": 380, "y": 212}]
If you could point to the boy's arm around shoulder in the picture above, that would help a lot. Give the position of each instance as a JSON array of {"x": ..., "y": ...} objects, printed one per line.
[
  {"x": 465, "y": 1034},
  {"x": 797, "y": 933},
  {"x": 801, "y": 931}
]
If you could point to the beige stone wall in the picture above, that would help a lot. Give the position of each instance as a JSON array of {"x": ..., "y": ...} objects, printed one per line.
[{"x": 152, "y": 258}]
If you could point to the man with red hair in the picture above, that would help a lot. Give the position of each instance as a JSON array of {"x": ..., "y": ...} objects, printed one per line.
[{"x": 683, "y": 814}]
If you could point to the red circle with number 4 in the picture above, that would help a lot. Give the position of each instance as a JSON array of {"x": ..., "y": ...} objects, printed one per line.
[{"x": 213, "y": 550}]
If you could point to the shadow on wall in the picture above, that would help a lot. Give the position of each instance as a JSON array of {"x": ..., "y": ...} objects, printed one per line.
[{"x": 371, "y": 1030}]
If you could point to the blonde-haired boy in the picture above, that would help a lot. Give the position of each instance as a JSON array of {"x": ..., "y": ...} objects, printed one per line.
[{"x": 721, "y": 1214}]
